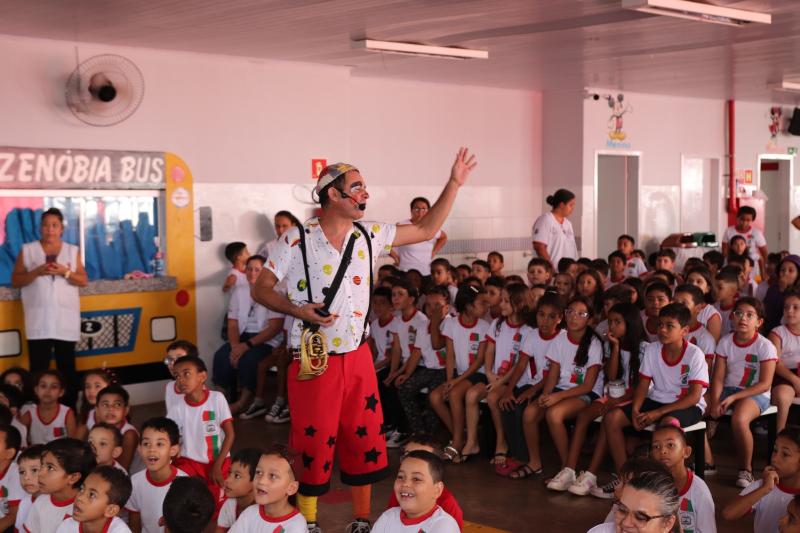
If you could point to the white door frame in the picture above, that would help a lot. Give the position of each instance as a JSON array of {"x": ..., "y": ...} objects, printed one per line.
[
  {"x": 633, "y": 153},
  {"x": 789, "y": 229},
  {"x": 717, "y": 190}
]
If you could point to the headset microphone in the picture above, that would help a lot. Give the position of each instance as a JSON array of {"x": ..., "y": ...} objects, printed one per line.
[{"x": 360, "y": 206}]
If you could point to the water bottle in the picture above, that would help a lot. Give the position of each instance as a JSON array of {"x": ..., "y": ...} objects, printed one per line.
[{"x": 158, "y": 265}]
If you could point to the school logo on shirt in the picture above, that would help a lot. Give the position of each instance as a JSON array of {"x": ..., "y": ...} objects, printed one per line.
[
  {"x": 684, "y": 381},
  {"x": 578, "y": 375},
  {"x": 59, "y": 432},
  {"x": 474, "y": 343},
  {"x": 505, "y": 366},
  {"x": 279, "y": 529},
  {"x": 687, "y": 515},
  {"x": 412, "y": 337},
  {"x": 441, "y": 355},
  {"x": 515, "y": 342},
  {"x": 4, "y": 501},
  {"x": 532, "y": 365},
  {"x": 750, "y": 375},
  {"x": 212, "y": 435}
]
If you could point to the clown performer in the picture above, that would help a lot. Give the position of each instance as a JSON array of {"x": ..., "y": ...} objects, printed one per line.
[{"x": 337, "y": 410}]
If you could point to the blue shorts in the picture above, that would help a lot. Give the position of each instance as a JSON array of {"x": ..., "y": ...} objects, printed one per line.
[{"x": 761, "y": 401}]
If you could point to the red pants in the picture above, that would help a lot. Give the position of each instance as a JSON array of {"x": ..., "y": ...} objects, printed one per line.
[
  {"x": 340, "y": 412},
  {"x": 203, "y": 471}
]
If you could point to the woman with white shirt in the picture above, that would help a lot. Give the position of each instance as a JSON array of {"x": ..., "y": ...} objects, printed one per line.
[
  {"x": 553, "y": 238},
  {"x": 49, "y": 272},
  {"x": 283, "y": 220},
  {"x": 418, "y": 256}
]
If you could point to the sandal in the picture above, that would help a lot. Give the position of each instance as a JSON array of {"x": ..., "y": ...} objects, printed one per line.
[
  {"x": 450, "y": 453},
  {"x": 524, "y": 471},
  {"x": 494, "y": 460},
  {"x": 464, "y": 457}
]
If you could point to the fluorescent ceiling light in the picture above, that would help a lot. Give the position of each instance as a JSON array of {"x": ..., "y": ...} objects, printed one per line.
[
  {"x": 685, "y": 9},
  {"x": 447, "y": 52},
  {"x": 787, "y": 85}
]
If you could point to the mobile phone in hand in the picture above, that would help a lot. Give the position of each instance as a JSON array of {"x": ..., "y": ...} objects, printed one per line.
[{"x": 50, "y": 258}]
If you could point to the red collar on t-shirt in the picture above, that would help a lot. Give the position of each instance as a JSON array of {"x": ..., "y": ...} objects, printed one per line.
[
  {"x": 275, "y": 519},
  {"x": 414, "y": 521},
  {"x": 60, "y": 503},
  {"x": 206, "y": 393},
  {"x": 688, "y": 485},
  {"x": 173, "y": 474},
  {"x": 683, "y": 352}
]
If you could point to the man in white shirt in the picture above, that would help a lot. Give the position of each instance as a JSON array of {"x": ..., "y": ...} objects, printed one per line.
[{"x": 326, "y": 407}]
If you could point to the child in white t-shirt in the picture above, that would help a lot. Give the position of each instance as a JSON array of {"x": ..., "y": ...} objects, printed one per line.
[
  {"x": 106, "y": 441},
  {"x": 418, "y": 484},
  {"x": 381, "y": 337},
  {"x": 237, "y": 254},
  {"x": 93, "y": 382},
  {"x": 100, "y": 500},
  {"x": 113, "y": 406},
  {"x": 743, "y": 371},
  {"x": 768, "y": 497},
  {"x": 11, "y": 493},
  {"x": 160, "y": 444},
  {"x": 465, "y": 345},
  {"x": 238, "y": 487},
  {"x": 756, "y": 242},
  {"x": 65, "y": 464},
  {"x": 49, "y": 419},
  {"x": 29, "y": 462},
  {"x": 274, "y": 484},
  {"x": 672, "y": 379},
  {"x": 696, "y": 509},
  {"x": 176, "y": 350},
  {"x": 786, "y": 338},
  {"x": 708, "y": 315}
]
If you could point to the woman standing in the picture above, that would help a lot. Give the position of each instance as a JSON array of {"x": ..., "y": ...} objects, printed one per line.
[
  {"x": 553, "y": 237},
  {"x": 418, "y": 256},
  {"x": 49, "y": 272}
]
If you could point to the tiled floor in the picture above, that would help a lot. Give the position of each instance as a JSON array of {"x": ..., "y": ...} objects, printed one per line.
[{"x": 514, "y": 506}]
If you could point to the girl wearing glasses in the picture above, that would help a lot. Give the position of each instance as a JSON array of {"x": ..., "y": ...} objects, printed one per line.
[
  {"x": 745, "y": 365},
  {"x": 649, "y": 504},
  {"x": 574, "y": 380}
]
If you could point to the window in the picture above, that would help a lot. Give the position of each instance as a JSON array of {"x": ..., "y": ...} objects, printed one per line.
[{"x": 117, "y": 231}]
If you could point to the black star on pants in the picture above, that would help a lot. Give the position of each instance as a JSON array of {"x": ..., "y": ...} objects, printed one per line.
[
  {"x": 371, "y": 456},
  {"x": 361, "y": 431},
  {"x": 326, "y": 466},
  {"x": 372, "y": 402},
  {"x": 331, "y": 441},
  {"x": 310, "y": 430},
  {"x": 307, "y": 460}
]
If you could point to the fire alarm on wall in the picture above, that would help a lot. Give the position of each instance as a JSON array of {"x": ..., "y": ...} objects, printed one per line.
[{"x": 317, "y": 165}]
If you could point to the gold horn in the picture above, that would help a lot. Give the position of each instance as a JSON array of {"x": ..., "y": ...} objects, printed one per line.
[{"x": 313, "y": 354}]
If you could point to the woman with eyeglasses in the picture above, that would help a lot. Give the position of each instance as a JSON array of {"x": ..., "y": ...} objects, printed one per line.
[
  {"x": 649, "y": 504},
  {"x": 743, "y": 372},
  {"x": 418, "y": 256}
]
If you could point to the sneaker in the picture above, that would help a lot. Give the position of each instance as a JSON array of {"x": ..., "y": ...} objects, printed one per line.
[
  {"x": 709, "y": 470},
  {"x": 586, "y": 481},
  {"x": 255, "y": 410},
  {"x": 358, "y": 525},
  {"x": 606, "y": 492},
  {"x": 314, "y": 528},
  {"x": 396, "y": 440},
  {"x": 273, "y": 413},
  {"x": 744, "y": 479},
  {"x": 283, "y": 417},
  {"x": 563, "y": 480}
]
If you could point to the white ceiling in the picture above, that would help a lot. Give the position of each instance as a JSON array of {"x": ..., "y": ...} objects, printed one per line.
[{"x": 533, "y": 44}]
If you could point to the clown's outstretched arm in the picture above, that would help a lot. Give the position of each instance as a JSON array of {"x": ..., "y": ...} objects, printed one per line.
[{"x": 427, "y": 227}]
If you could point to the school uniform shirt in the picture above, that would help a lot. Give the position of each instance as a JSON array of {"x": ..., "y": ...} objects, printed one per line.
[
  {"x": 22, "y": 512},
  {"x": 42, "y": 432},
  {"x": 602, "y": 327},
  {"x": 431, "y": 359},
  {"x": 201, "y": 425},
  {"x": 771, "y": 508},
  {"x": 382, "y": 337},
  {"x": 744, "y": 360},
  {"x": 651, "y": 334},
  {"x": 790, "y": 347},
  {"x": 91, "y": 419},
  {"x": 559, "y": 238},
  {"x": 250, "y": 316},
  {"x": 416, "y": 256},
  {"x": 700, "y": 337},
  {"x": 446, "y": 501},
  {"x": 11, "y": 491},
  {"x": 536, "y": 346},
  {"x": 507, "y": 339},
  {"x": 562, "y": 351},
  {"x": 466, "y": 341},
  {"x": 351, "y": 303},
  {"x": 147, "y": 498},
  {"x": 394, "y": 520},
  {"x": 726, "y": 314},
  {"x": 227, "y": 514},
  {"x": 754, "y": 239},
  {"x": 696, "y": 510},
  {"x": 707, "y": 313},
  {"x": 671, "y": 381},
  {"x": 113, "y": 525},
  {"x": 46, "y": 514},
  {"x": 171, "y": 394},
  {"x": 625, "y": 363},
  {"x": 241, "y": 277},
  {"x": 23, "y": 431},
  {"x": 407, "y": 331},
  {"x": 255, "y": 520},
  {"x": 634, "y": 267}
]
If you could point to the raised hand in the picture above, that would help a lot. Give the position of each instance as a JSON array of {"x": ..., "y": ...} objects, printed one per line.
[{"x": 463, "y": 166}]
